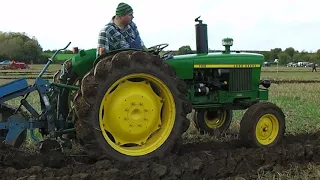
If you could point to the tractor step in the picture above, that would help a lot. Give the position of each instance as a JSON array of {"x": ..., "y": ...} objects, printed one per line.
[{"x": 14, "y": 86}]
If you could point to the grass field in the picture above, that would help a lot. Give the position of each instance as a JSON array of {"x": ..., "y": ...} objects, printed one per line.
[
  {"x": 60, "y": 56},
  {"x": 299, "y": 101}
]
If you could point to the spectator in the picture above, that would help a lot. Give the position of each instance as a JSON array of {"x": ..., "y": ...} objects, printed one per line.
[{"x": 314, "y": 67}]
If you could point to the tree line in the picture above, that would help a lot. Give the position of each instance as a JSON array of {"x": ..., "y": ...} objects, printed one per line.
[
  {"x": 20, "y": 47},
  {"x": 291, "y": 55}
]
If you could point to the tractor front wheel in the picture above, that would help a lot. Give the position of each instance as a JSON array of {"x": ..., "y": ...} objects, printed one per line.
[
  {"x": 263, "y": 125},
  {"x": 132, "y": 106},
  {"x": 213, "y": 122}
]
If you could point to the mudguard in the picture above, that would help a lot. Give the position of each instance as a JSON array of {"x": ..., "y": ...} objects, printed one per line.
[{"x": 83, "y": 61}]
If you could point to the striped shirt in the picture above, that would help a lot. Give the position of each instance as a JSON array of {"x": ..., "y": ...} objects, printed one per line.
[{"x": 112, "y": 37}]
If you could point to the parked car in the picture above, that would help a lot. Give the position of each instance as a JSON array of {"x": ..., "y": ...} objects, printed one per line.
[
  {"x": 310, "y": 65},
  {"x": 266, "y": 64},
  {"x": 15, "y": 65},
  {"x": 292, "y": 64},
  {"x": 5, "y": 62}
]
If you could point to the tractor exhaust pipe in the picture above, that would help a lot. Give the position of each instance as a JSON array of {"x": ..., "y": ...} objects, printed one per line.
[{"x": 201, "y": 37}]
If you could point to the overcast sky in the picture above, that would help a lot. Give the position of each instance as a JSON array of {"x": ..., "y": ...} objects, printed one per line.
[{"x": 254, "y": 25}]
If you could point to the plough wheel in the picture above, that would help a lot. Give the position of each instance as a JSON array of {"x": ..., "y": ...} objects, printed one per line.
[{"x": 131, "y": 107}]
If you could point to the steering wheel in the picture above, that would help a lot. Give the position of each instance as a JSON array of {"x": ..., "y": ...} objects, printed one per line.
[
  {"x": 167, "y": 55},
  {"x": 158, "y": 48}
]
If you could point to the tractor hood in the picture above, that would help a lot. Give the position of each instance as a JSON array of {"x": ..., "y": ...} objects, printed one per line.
[
  {"x": 215, "y": 58},
  {"x": 184, "y": 64}
]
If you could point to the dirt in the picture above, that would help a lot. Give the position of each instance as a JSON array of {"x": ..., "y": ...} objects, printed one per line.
[{"x": 203, "y": 160}]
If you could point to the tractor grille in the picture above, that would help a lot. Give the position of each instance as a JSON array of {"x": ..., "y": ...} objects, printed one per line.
[{"x": 240, "y": 79}]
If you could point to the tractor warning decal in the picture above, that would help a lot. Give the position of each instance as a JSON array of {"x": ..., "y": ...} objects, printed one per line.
[{"x": 226, "y": 65}]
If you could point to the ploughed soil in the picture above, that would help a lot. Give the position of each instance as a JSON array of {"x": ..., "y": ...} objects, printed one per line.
[{"x": 202, "y": 160}]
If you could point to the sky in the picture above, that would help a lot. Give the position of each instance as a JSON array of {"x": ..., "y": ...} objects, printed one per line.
[{"x": 254, "y": 25}]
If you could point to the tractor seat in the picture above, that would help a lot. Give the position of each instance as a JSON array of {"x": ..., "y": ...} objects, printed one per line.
[{"x": 13, "y": 86}]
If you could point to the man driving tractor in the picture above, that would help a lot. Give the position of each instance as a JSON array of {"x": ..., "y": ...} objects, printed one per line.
[{"x": 120, "y": 33}]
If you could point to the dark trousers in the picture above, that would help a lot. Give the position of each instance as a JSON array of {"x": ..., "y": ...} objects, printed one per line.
[{"x": 314, "y": 69}]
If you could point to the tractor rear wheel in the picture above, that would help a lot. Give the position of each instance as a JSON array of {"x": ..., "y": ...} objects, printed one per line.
[
  {"x": 212, "y": 122},
  {"x": 132, "y": 106},
  {"x": 262, "y": 125}
]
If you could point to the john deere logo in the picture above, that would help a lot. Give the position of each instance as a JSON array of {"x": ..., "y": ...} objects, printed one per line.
[
  {"x": 244, "y": 65},
  {"x": 226, "y": 65}
]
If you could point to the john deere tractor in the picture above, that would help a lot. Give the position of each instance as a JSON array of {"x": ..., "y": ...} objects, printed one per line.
[{"x": 131, "y": 104}]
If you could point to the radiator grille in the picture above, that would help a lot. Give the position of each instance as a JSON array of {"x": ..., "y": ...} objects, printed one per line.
[{"x": 240, "y": 79}]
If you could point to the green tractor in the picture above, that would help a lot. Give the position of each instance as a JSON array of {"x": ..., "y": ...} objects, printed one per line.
[{"x": 133, "y": 105}]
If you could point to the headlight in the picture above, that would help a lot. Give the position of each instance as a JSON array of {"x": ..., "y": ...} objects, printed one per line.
[{"x": 266, "y": 83}]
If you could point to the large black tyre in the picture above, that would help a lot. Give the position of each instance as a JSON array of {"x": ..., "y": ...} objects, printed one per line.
[
  {"x": 96, "y": 83},
  {"x": 262, "y": 125},
  {"x": 212, "y": 122}
]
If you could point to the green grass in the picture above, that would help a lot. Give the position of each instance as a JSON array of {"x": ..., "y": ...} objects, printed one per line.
[
  {"x": 300, "y": 104},
  {"x": 60, "y": 56},
  {"x": 295, "y": 75},
  {"x": 284, "y": 68}
]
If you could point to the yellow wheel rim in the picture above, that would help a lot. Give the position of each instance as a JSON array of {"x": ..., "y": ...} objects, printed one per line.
[
  {"x": 217, "y": 122},
  {"x": 267, "y": 129},
  {"x": 135, "y": 119}
]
